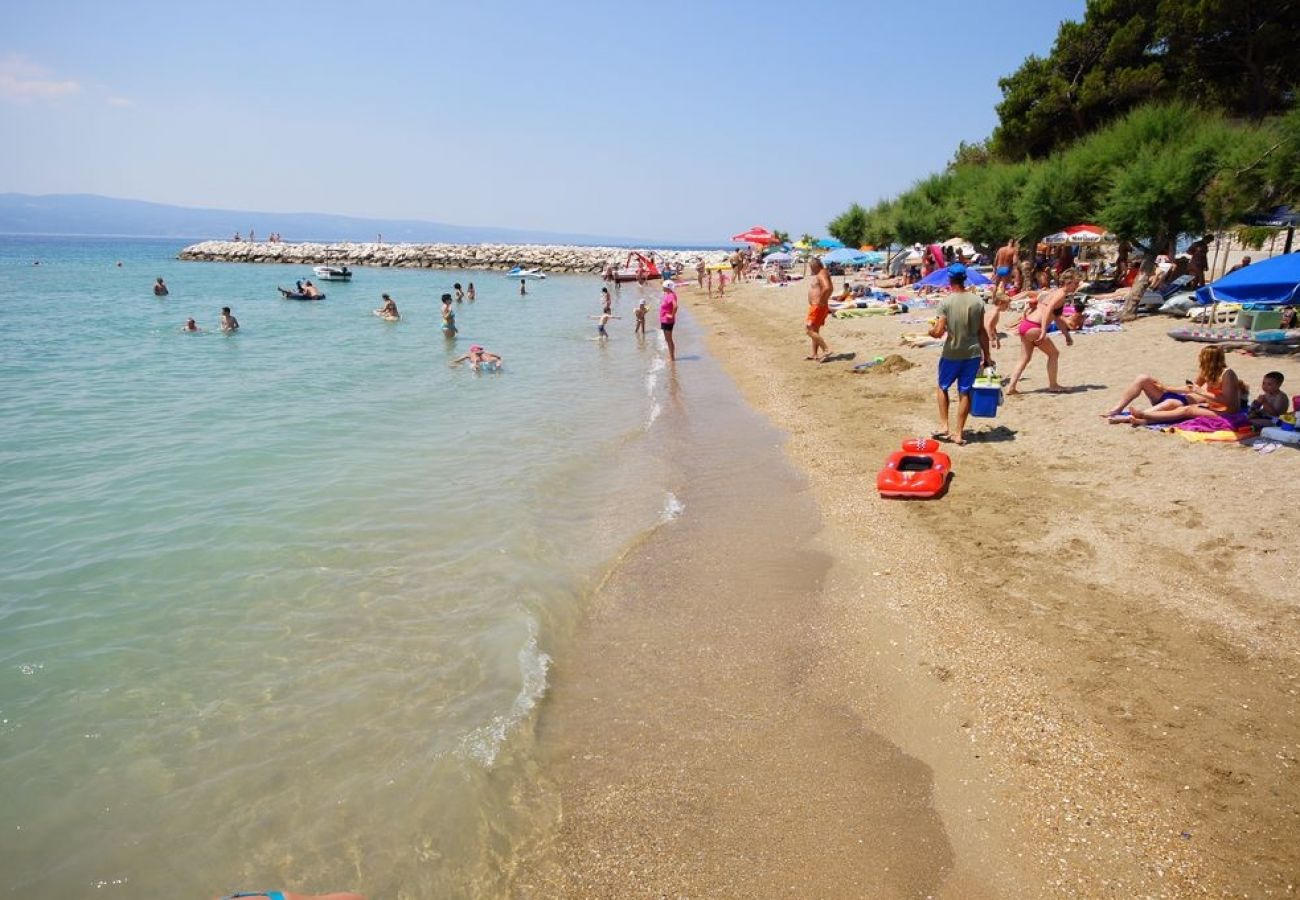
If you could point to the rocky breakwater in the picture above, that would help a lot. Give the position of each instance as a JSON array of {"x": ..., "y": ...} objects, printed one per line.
[{"x": 550, "y": 258}]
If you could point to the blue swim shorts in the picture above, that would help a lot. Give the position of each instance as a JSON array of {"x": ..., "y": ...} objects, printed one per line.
[
  {"x": 962, "y": 371},
  {"x": 1004, "y": 271}
]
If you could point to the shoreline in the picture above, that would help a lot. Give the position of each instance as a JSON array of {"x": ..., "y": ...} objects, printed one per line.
[
  {"x": 566, "y": 258},
  {"x": 696, "y": 732}
]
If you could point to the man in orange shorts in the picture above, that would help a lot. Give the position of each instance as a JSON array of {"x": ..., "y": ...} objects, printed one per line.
[{"x": 819, "y": 307}]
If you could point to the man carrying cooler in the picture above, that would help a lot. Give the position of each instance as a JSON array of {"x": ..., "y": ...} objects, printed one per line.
[{"x": 960, "y": 323}]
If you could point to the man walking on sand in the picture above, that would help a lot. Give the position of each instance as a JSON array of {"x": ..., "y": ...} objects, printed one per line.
[
  {"x": 819, "y": 307},
  {"x": 960, "y": 322}
]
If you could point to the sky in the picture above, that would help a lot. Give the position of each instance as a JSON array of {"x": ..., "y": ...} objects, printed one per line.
[{"x": 683, "y": 121}]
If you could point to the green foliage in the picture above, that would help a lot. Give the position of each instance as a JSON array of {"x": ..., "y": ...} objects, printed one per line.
[
  {"x": 782, "y": 237},
  {"x": 1237, "y": 55},
  {"x": 850, "y": 226},
  {"x": 807, "y": 239}
]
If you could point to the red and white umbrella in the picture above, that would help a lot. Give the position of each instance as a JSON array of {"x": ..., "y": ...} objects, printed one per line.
[
  {"x": 756, "y": 235},
  {"x": 1080, "y": 234}
]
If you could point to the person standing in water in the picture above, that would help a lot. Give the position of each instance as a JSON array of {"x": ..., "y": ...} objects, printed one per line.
[
  {"x": 606, "y": 301},
  {"x": 159, "y": 287},
  {"x": 668, "y": 317},
  {"x": 640, "y": 318},
  {"x": 523, "y": 286},
  {"x": 460, "y": 295},
  {"x": 229, "y": 324},
  {"x": 469, "y": 292},
  {"x": 388, "y": 310},
  {"x": 190, "y": 325},
  {"x": 603, "y": 320},
  {"x": 448, "y": 317}
]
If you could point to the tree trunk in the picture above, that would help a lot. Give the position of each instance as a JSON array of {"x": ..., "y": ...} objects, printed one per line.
[{"x": 1139, "y": 287}]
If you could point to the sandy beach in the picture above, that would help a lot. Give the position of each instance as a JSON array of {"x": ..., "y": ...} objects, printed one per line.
[{"x": 1081, "y": 661}]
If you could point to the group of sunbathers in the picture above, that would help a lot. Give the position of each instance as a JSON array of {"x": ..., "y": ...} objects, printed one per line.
[{"x": 1216, "y": 391}]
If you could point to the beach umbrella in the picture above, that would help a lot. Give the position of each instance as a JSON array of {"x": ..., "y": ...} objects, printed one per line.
[
  {"x": 1269, "y": 282},
  {"x": 845, "y": 256},
  {"x": 829, "y": 244},
  {"x": 939, "y": 278},
  {"x": 755, "y": 235},
  {"x": 780, "y": 258},
  {"x": 1079, "y": 234}
]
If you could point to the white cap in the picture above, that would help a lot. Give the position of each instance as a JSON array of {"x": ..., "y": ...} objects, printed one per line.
[{"x": 668, "y": 284}]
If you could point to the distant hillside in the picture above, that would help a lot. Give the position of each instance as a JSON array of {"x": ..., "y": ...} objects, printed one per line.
[{"x": 92, "y": 214}]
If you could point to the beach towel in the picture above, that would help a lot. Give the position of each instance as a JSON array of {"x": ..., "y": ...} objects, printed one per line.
[{"x": 1215, "y": 429}]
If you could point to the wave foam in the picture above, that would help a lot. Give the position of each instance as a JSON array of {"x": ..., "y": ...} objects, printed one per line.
[
  {"x": 484, "y": 743},
  {"x": 673, "y": 508}
]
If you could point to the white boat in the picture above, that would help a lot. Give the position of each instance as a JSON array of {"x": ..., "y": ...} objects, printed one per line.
[
  {"x": 333, "y": 273},
  {"x": 521, "y": 272}
]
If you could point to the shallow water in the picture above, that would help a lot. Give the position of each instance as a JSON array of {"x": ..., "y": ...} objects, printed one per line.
[{"x": 276, "y": 607}]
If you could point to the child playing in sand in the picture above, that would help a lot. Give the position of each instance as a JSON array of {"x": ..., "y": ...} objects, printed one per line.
[
  {"x": 640, "y": 317},
  {"x": 604, "y": 318}
]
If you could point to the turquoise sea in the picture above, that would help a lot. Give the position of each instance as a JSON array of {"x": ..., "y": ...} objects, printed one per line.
[{"x": 276, "y": 608}]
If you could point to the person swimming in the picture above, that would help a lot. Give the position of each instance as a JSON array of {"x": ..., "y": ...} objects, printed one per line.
[
  {"x": 229, "y": 324},
  {"x": 479, "y": 358},
  {"x": 159, "y": 287},
  {"x": 388, "y": 310},
  {"x": 190, "y": 325}
]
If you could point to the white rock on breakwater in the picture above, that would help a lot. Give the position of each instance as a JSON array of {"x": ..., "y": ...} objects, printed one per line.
[{"x": 550, "y": 258}]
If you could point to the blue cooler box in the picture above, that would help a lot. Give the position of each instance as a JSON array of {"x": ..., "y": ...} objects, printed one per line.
[{"x": 986, "y": 396}]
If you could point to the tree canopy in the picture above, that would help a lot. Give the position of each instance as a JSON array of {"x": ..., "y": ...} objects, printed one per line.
[{"x": 1237, "y": 56}]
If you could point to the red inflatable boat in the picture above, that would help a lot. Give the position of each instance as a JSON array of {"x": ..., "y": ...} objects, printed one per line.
[{"x": 918, "y": 470}]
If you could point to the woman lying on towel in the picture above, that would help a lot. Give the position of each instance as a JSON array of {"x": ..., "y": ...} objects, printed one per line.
[{"x": 1217, "y": 391}]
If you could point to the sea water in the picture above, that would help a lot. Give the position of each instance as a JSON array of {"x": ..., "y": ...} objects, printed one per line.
[{"x": 277, "y": 607}]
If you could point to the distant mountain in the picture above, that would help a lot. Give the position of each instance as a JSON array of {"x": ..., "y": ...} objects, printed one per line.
[{"x": 90, "y": 214}]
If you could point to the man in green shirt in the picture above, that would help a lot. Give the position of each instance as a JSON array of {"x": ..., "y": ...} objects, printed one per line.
[{"x": 960, "y": 323}]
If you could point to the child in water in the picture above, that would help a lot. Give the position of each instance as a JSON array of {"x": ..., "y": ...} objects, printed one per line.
[
  {"x": 640, "y": 317},
  {"x": 479, "y": 358},
  {"x": 448, "y": 317},
  {"x": 604, "y": 318}
]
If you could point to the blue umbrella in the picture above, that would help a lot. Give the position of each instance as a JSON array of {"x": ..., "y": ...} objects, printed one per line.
[
  {"x": 1270, "y": 282},
  {"x": 939, "y": 278},
  {"x": 845, "y": 256},
  {"x": 829, "y": 244}
]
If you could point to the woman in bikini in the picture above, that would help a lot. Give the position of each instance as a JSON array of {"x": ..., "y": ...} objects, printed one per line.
[
  {"x": 1033, "y": 331},
  {"x": 1217, "y": 391}
]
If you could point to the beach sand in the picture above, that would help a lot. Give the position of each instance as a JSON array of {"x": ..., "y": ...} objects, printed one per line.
[{"x": 1075, "y": 675}]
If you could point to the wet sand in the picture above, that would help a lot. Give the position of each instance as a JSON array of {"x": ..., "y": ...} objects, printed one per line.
[{"x": 699, "y": 732}]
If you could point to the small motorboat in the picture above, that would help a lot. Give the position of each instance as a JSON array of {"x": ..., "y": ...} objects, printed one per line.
[
  {"x": 917, "y": 471},
  {"x": 521, "y": 272},
  {"x": 333, "y": 273},
  {"x": 298, "y": 295}
]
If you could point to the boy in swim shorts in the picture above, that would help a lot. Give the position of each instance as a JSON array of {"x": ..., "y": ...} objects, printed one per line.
[
  {"x": 640, "y": 317},
  {"x": 604, "y": 318}
]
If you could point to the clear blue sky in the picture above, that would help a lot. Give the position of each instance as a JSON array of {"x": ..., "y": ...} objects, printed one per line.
[{"x": 685, "y": 121}]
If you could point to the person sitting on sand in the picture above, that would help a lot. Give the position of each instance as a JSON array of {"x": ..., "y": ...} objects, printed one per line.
[
  {"x": 160, "y": 288},
  {"x": 1001, "y": 303},
  {"x": 1033, "y": 331},
  {"x": 1217, "y": 391},
  {"x": 1271, "y": 402},
  {"x": 478, "y": 358},
  {"x": 388, "y": 310},
  {"x": 229, "y": 324},
  {"x": 190, "y": 325}
]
